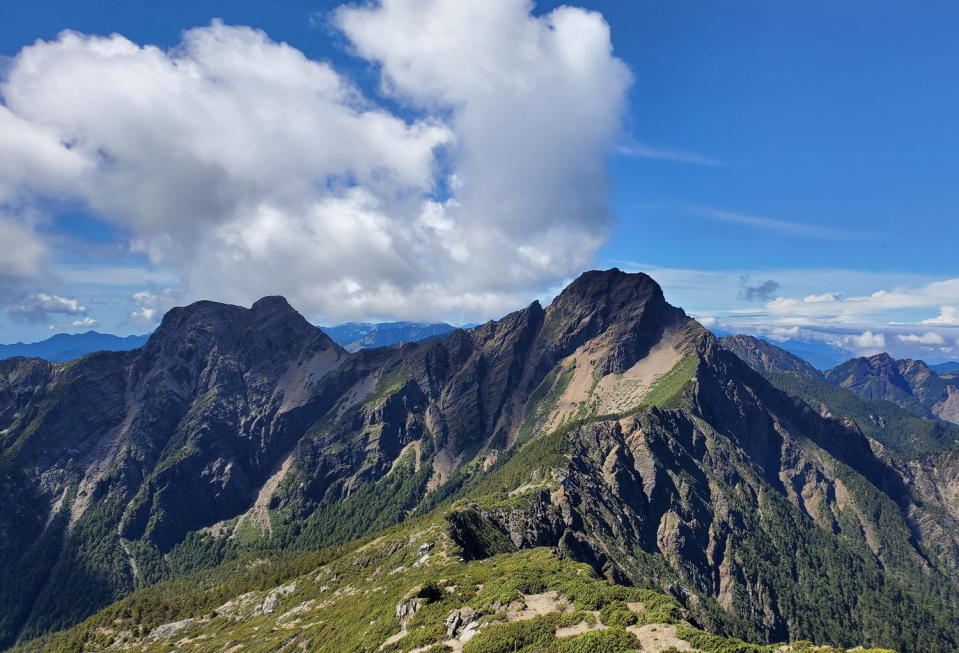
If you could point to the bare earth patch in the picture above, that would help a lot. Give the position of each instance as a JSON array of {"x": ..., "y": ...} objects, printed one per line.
[
  {"x": 656, "y": 638},
  {"x": 615, "y": 392},
  {"x": 537, "y": 605},
  {"x": 623, "y": 391},
  {"x": 258, "y": 512},
  {"x": 581, "y": 627}
]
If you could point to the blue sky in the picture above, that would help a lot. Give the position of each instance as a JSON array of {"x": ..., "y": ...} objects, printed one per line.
[{"x": 785, "y": 168}]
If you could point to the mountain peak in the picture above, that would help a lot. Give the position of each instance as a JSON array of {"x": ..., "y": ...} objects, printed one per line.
[
  {"x": 628, "y": 439},
  {"x": 272, "y": 303},
  {"x": 207, "y": 324},
  {"x": 627, "y": 309},
  {"x": 608, "y": 294},
  {"x": 612, "y": 282}
]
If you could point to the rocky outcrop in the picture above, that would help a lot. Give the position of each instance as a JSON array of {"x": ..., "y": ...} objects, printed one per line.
[
  {"x": 911, "y": 384},
  {"x": 712, "y": 497},
  {"x": 145, "y": 445}
]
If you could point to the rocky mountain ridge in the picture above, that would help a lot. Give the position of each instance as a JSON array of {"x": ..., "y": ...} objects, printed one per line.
[
  {"x": 608, "y": 426},
  {"x": 911, "y": 384}
]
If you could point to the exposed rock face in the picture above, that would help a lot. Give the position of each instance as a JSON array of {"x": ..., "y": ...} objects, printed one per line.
[
  {"x": 459, "y": 621},
  {"x": 145, "y": 445},
  {"x": 168, "y": 630},
  {"x": 747, "y": 489},
  {"x": 910, "y": 384},
  {"x": 254, "y": 427}
]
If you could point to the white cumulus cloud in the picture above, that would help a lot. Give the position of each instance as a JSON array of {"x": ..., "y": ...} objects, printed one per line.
[
  {"x": 22, "y": 253},
  {"x": 839, "y": 308},
  {"x": 866, "y": 340},
  {"x": 38, "y": 306},
  {"x": 152, "y": 304},
  {"x": 251, "y": 169},
  {"x": 782, "y": 334},
  {"x": 87, "y": 321},
  {"x": 928, "y": 338},
  {"x": 947, "y": 315}
]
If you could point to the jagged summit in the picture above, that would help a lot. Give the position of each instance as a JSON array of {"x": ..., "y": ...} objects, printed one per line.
[
  {"x": 911, "y": 384},
  {"x": 272, "y": 303},
  {"x": 602, "y": 297},
  {"x": 270, "y": 322},
  {"x": 626, "y": 313}
]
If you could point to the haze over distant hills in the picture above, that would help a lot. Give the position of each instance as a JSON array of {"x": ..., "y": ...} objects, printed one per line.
[
  {"x": 353, "y": 336},
  {"x": 69, "y": 346},
  {"x": 950, "y": 367}
]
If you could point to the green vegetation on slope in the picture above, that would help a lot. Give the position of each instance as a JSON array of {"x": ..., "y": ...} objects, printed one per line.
[
  {"x": 883, "y": 421},
  {"x": 399, "y": 592},
  {"x": 668, "y": 387}
]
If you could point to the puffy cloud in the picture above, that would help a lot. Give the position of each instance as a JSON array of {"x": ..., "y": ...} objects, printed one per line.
[
  {"x": 535, "y": 106},
  {"x": 928, "y": 338},
  {"x": 87, "y": 322},
  {"x": 34, "y": 159},
  {"x": 782, "y": 334},
  {"x": 39, "y": 306},
  {"x": 23, "y": 253},
  {"x": 152, "y": 304},
  {"x": 254, "y": 170},
  {"x": 866, "y": 340},
  {"x": 947, "y": 315}
]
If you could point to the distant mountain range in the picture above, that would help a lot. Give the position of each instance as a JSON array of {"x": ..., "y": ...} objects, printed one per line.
[
  {"x": 69, "y": 346},
  {"x": 820, "y": 355},
  {"x": 946, "y": 368},
  {"x": 912, "y": 385},
  {"x": 354, "y": 336},
  {"x": 895, "y": 418}
]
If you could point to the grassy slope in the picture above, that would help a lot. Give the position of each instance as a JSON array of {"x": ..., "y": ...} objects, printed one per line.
[{"x": 348, "y": 603}]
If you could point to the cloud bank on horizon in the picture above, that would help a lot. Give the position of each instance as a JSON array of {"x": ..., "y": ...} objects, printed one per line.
[
  {"x": 251, "y": 170},
  {"x": 913, "y": 320}
]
